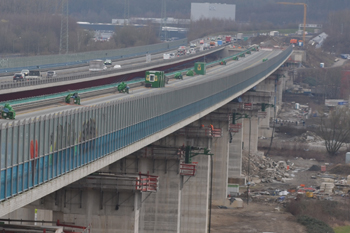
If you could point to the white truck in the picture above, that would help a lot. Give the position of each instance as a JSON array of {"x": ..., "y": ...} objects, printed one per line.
[
  {"x": 34, "y": 75},
  {"x": 274, "y": 33},
  {"x": 97, "y": 65},
  {"x": 168, "y": 55},
  {"x": 239, "y": 36}
]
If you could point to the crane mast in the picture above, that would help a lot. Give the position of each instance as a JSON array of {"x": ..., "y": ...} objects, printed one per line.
[
  {"x": 305, "y": 8},
  {"x": 64, "y": 42}
]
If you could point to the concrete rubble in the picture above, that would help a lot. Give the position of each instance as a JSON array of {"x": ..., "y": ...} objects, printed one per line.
[
  {"x": 263, "y": 169},
  {"x": 308, "y": 137},
  {"x": 276, "y": 190}
]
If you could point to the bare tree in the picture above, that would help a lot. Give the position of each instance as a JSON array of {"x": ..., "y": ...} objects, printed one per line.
[{"x": 335, "y": 129}]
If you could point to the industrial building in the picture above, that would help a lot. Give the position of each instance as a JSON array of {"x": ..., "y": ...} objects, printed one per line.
[{"x": 213, "y": 11}]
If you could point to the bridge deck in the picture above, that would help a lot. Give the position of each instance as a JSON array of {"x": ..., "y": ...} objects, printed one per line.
[{"x": 43, "y": 154}]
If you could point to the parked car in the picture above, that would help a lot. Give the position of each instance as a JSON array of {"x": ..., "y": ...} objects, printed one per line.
[
  {"x": 25, "y": 72},
  {"x": 18, "y": 77},
  {"x": 108, "y": 62},
  {"x": 51, "y": 74}
]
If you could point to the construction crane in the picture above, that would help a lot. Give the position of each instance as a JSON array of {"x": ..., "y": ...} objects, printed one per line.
[
  {"x": 64, "y": 27},
  {"x": 305, "y": 7},
  {"x": 163, "y": 20}
]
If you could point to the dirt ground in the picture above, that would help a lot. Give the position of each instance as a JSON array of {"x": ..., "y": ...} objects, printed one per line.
[
  {"x": 262, "y": 216},
  {"x": 254, "y": 217}
]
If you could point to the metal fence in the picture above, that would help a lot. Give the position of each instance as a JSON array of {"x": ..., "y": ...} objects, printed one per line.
[
  {"x": 36, "y": 150},
  {"x": 49, "y": 61},
  {"x": 120, "y": 71}
]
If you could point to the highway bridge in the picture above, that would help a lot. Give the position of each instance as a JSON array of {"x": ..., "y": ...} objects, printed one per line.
[
  {"x": 130, "y": 69},
  {"x": 47, "y": 151}
]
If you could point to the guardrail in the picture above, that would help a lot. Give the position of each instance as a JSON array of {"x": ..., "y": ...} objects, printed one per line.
[
  {"x": 217, "y": 62},
  {"x": 11, "y": 85},
  {"x": 15, "y": 64},
  {"x": 26, "y": 103},
  {"x": 60, "y": 98}
]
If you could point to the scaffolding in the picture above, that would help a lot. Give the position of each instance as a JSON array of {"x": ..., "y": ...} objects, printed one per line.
[
  {"x": 262, "y": 114},
  {"x": 234, "y": 128},
  {"x": 147, "y": 183},
  {"x": 202, "y": 131},
  {"x": 188, "y": 169},
  {"x": 247, "y": 106}
]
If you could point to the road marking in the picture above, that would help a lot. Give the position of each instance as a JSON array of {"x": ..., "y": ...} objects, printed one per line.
[
  {"x": 254, "y": 63},
  {"x": 35, "y": 110}
]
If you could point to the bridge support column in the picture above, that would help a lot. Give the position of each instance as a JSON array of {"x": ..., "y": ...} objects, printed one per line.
[
  {"x": 250, "y": 131},
  {"x": 235, "y": 157},
  {"x": 110, "y": 200},
  {"x": 220, "y": 166},
  {"x": 264, "y": 124},
  {"x": 218, "y": 121},
  {"x": 107, "y": 199},
  {"x": 159, "y": 211},
  {"x": 195, "y": 198},
  {"x": 181, "y": 203}
]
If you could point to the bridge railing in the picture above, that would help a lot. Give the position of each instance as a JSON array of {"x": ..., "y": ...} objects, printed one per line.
[
  {"x": 105, "y": 73},
  {"x": 14, "y": 64},
  {"x": 37, "y": 150}
]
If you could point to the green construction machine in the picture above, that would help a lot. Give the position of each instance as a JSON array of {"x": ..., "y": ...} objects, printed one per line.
[
  {"x": 223, "y": 62},
  {"x": 7, "y": 112},
  {"x": 123, "y": 88},
  {"x": 155, "y": 79},
  {"x": 200, "y": 68},
  {"x": 178, "y": 75},
  {"x": 73, "y": 98},
  {"x": 190, "y": 73}
]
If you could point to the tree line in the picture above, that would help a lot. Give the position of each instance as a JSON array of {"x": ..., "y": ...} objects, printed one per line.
[
  {"x": 32, "y": 27},
  {"x": 39, "y": 34}
]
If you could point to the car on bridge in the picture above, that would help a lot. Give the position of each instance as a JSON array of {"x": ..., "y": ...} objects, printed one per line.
[
  {"x": 108, "y": 62},
  {"x": 18, "y": 77},
  {"x": 51, "y": 74},
  {"x": 25, "y": 72},
  {"x": 34, "y": 75}
]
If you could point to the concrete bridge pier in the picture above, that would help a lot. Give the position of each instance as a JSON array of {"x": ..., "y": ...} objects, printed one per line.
[
  {"x": 114, "y": 199},
  {"x": 218, "y": 122},
  {"x": 250, "y": 131},
  {"x": 235, "y": 156},
  {"x": 181, "y": 203},
  {"x": 106, "y": 201}
]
